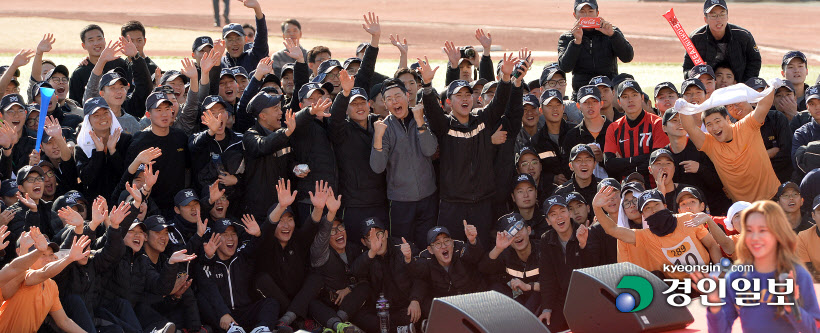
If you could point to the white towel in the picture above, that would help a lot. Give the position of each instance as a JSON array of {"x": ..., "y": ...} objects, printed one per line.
[
  {"x": 84, "y": 139},
  {"x": 728, "y": 95}
]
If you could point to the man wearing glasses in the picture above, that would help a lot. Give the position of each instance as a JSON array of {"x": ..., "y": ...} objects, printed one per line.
[
  {"x": 30, "y": 210},
  {"x": 554, "y": 78},
  {"x": 718, "y": 41},
  {"x": 58, "y": 79}
]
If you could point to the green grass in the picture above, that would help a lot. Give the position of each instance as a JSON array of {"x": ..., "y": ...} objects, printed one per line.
[{"x": 647, "y": 74}]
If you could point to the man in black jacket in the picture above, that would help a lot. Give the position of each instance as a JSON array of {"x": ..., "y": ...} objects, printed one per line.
[
  {"x": 563, "y": 249},
  {"x": 583, "y": 181},
  {"x": 517, "y": 258},
  {"x": 385, "y": 267},
  {"x": 268, "y": 147},
  {"x": 467, "y": 176},
  {"x": 217, "y": 152},
  {"x": 588, "y": 53},
  {"x": 93, "y": 41},
  {"x": 719, "y": 41}
]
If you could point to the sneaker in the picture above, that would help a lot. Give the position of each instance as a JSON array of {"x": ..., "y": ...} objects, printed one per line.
[
  {"x": 168, "y": 328},
  {"x": 235, "y": 329},
  {"x": 261, "y": 329},
  {"x": 348, "y": 328}
]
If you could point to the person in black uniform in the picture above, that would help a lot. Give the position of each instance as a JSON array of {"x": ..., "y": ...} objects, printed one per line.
[
  {"x": 385, "y": 267},
  {"x": 517, "y": 258}
]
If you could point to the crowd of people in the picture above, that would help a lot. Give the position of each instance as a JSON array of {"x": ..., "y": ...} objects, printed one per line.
[{"x": 273, "y": 191}]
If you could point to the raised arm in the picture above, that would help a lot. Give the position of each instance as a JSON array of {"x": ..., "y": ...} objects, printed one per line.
[
  {"x": 763, "y": 107},
  {"x": 21, "y": 59},
  {"x": 37, "y": 66},
  {"x": 604, "y": 196},
  {"x": 401, "y": 44},
  {"x": 697, "y": 136}
]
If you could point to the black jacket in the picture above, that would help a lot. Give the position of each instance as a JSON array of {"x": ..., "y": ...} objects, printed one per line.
[
  {"x": 336, "y": 273},
  {"x": 204, "y": 149},
  {"x": 485, "y": 71},
  {"x": 556, "y": 266},
  {"x": 352, "y": 143},
  {"x": 86, "y": 280},
  {"x": 510, "y": 266},
  {"x": 311, "y": 146},
  {"x": 288, "y": 266},
  {"x": 742, "y": 53},
  {"x": 182, "y": 235},
  {"x": 706, "y": 179},
  {"x": 461, "y": 278},
  {"x": 466, "y": 150},
  {"x": 597, "y": 54},
  {"x": 572, "y": 186},
  {"x": 580, "y": 134},
  {"x": 389, "y": 274},
  {"x": 233, "y": 278},
  {"x": 504, "y": 165},
  {"x": 554, "y": 158},
  {"x": 267, "y": 158},
  {"x": 134, "y": 275},
  {"x": 100, "y": 173}
]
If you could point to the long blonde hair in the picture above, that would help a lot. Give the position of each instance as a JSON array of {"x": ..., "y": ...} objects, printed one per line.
[{"x": 779, "y": 226}]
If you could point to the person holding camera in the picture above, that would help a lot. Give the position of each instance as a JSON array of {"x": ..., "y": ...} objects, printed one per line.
[{"x": 592, "y": 47}]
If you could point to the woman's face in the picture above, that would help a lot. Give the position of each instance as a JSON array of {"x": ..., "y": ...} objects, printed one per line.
[{"x": 760, "y": 241}]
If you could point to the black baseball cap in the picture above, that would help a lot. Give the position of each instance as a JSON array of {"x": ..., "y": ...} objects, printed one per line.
[
  {"x": 391, "y": 83},
  {"x": 184, "y": 197},
  {"x": 155, "y": 223},
  {"x": 580, "y": 148},
  {"x": 457, "y": 85},
  {"x": 551, "y": 94},
  {"x": 325, "y": 68},
  {"x": 512, "y": 223},
  {"x": 609, "y": 182},
  {"x": 812, "y": 92},
  {"x": 756, "y": 83},
  {"x": 788, "y": 85},
  {"x": 4, "y": 68},
  {"x": 523, "y": 151},
  {"x": 375, "y": 90},
  {"x": 223, "y": 224},
  {"x": 587, "y": 92},
  {"x": 668, "y": 115},
  {"x": 628, "y": 84},
  {"x": 93, "y": 104},
  {"x": 548, "y": 72},
  {"x": 261, "y": 101},
  {"x": 581, "y": 3},
  {"x": 575, "y": 196},
  {"x": 226, "y": 72},
  {"x": 480, "y": 82},
  {"x": 665, "y": 85},
  {"x": 524, "y": 178},
  {"x": 815, "y": 203},
  {"x": 8, "y": 188},
  {"x": 658, "y": 153},
  {"x": 310, "y": 87},
  {"x": 709, "y": 4},
  {"x": 286, "y": 67},
  {"x": 239, "y": 71},
  {"x": 62, "y": 69},
  {"x": 689, "y": 190},
  {"x": 271, "y": 78},
  {"x": 69, "y": 199},
  {"x": 233, "y": 28},
  {"x": 203, "y": 41},
  {"x": 635, "y": 177},
  {"x": 12, "y": 99},
  {"x": 23, "y": 173},
  {"x": 434, "y": 232},
  {"x": 137, "y": 223},
  {"x": 555, "y": 200},
  {"x": 155, "y": 99},
  {"x": 782, "y": 188},
  {"x": 362, "y": 47},
  {"x": 692, "y": 82},
  {"x": 791, "y": 55},
  {"x": 352, "y": 60},
  {"x": 601, "y": 80},
  {"x": 112, "y": 77},
  {"x": 487, "y": 86},
  {"x": 531, "y": 100},
  {"x": 212, "y": 100},
  {"x": 171, "y": 75},
  {"x": 649, "y": 196},
  {"x": 635, "y": 187},
  {"x": 370, "y": 223},
  {"x": 697, "y": 71},
  {"x": 358, "y": 93}
]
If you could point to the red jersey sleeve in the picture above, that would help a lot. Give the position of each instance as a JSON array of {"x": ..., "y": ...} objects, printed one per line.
[
  {"x": 660, "y": 139},
  {"x": 611, "y": 144}
]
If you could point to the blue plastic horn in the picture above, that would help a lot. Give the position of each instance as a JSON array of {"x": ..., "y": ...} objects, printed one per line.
[{"x": 45, "y": 99}]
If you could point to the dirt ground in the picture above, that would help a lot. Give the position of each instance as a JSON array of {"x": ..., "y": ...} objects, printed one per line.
[{"x": 426, "y": 23}]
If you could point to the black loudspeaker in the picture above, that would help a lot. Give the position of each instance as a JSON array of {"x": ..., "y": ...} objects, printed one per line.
[
  {"x": 485, "y": 312},
  {"x": 590, "y": 305}
]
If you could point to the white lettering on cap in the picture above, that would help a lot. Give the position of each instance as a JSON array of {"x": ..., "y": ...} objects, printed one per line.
[
  {"x": 588, "y": 91},
  {"x": 553, "y": 93},
  {"x": 511, "y": 219},
  {"x": 522, "y": 178},
  {"x": 553, "y": 201},
  {"x": 597, "y": 80},
  {"x": 370, "y": 222},
  {"x": 161, "y": 219},
  {"x": 13, "y": 99},
  {"x": 189, "y": 194},
  {"x": 715, "y": 2}
]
